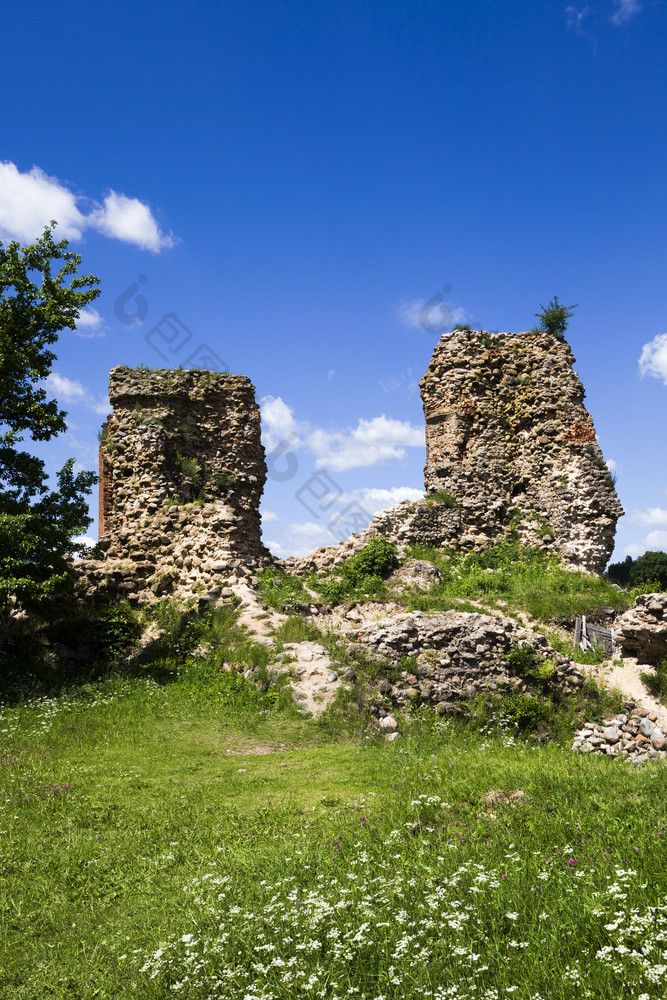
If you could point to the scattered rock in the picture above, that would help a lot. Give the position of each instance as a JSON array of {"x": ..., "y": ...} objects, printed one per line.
[
  {"x": 415, "y": 573},
  {"x": 315, "y": 681},
  {"x": 624, "y": 736},
  {"x": 456, "y": 655},
  {"x": 646, "y": 727}
]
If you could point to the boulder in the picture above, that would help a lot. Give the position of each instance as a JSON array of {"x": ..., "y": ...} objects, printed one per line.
[{"x": 642, "y": 631}]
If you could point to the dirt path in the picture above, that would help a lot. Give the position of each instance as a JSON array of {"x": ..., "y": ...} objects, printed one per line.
[
  {"x": 624, "y": 675},
  {"x": 314, "y": 676}
]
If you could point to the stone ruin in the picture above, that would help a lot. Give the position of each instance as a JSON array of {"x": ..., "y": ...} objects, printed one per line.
[
  {"x": 510, "y": 448},
  {"x": 181, "y": 477}
]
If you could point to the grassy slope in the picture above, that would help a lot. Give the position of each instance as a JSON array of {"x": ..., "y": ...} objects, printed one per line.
[
  {"x": 118, "y": 805},
  {"x": 198, "y": 838}
]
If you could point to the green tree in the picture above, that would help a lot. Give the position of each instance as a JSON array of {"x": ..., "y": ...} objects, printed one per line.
[
  {"x": 554, "y": 318},
  {"x": 40, "y": 295},
  {"x": 649, "y": 568},
  {"x": 620, "y": 572}
]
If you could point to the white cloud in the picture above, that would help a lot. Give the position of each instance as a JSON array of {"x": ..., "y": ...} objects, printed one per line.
[
  {"x": 409, "y": 311},
  {"x": 68, "y": 390},
  {"x": 656, "y": 540},
  {"x": 130, "y": 220},
  {"x": 373, "y": 499},
  {"x": 625, "y": 9},
  {"x": 30, "y": 200},
  {"x": 634, "y": 550},
  {"x": 652, "y": 517},
  {"x": 90, "y": 324},
  {"x": 405, "y": 381},
  {"x": 277, "y": 548},
  {"x": 300, "y": 539},
  {"x": 369, "y": 443},
  {"x": 87, "y": 541},
  {"x": 611, "y": 464},
  {"x": 279, "y": 424},
  {"x": 306, "y": 536},
  {"x": 653, "y": 359},
  {"x": 268, "y": 515}
]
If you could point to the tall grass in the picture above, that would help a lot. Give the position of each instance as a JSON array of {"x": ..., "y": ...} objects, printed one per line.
[
  {"x": 157, "y": 844},
  {"x": 518, "y": 578}
]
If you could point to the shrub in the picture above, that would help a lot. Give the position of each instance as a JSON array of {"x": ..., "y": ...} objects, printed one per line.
[
  {"x": 378, "y": 558},
  {"x": 523, "y": 660},
  {"x": 114, "y": 629},
  {"x": 554, "y": 318},
  {"x": 363, "y": 574},
  {"x": 526, "y": 711},
  {"x": 440, "y": 497},
  {"x": 281, "y": 590}
]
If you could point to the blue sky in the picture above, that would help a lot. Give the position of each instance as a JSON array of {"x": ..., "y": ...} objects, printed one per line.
[{"x": 294, "y": 181}]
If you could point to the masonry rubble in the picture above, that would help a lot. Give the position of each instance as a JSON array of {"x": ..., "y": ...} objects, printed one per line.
[
  {"x": 510, "y": 448},
  {"x": 642, "y": 630},
  {"x": 181, "y": 476},
  {"x": 455, "y": 655},
  {"x": 631, "y": 735}
]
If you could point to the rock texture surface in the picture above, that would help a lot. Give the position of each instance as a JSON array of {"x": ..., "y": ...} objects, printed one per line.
[
  {"x": 508, "y": 435},
  {"x": 315, "y": 676},
  {"x": 632, "y": 735},
  {"x": 457, "y": 654},
  {"x": 642, "y": 631},
  {"x": 510, "y": 448},
  {"x": 181, "y": 476}
]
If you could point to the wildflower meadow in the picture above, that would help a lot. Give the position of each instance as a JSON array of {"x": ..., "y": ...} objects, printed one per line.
[{"x": 158, "y": 840}]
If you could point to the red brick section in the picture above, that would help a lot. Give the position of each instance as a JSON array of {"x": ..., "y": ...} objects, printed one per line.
[{"x": 105, "y": 487}]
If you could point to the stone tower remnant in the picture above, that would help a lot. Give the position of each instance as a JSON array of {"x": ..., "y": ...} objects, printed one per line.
[
  {"x": 181, "y": 477},
  {"x": 510, "y": 451},
  {"x": 509, "y": 438}
]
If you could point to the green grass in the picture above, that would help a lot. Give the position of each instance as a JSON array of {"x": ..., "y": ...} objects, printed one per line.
[
  {"x": 282, "y": 591},
  {"x": 509, "y": 577},
  {"x": 173, "y": 827},
  {"x": 199, "y": 839},
  {"x": 656, "y": 681}
]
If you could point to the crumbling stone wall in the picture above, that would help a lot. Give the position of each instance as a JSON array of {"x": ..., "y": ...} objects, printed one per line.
[
  {"x": 455, "y": 655},
  {"x": 182, "y": 472},
  {"x": 508, "y": 435},
  {"x": 510, "y": 448}
]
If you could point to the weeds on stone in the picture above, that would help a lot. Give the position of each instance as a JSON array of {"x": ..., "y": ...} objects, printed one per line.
[{"x": 281, "y": 590}]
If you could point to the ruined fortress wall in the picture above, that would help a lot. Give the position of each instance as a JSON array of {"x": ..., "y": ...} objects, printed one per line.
[
  {"x": 181, "y": 477},
  {"x": 510, "y": 449},
  {"x": 508, "y": 436}
]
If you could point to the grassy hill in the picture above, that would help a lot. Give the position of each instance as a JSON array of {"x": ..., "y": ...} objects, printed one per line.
[{"x": 173, "y": 828}]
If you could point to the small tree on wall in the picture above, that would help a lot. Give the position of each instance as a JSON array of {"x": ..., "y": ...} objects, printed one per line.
[{"x": 554, "y": 318}]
